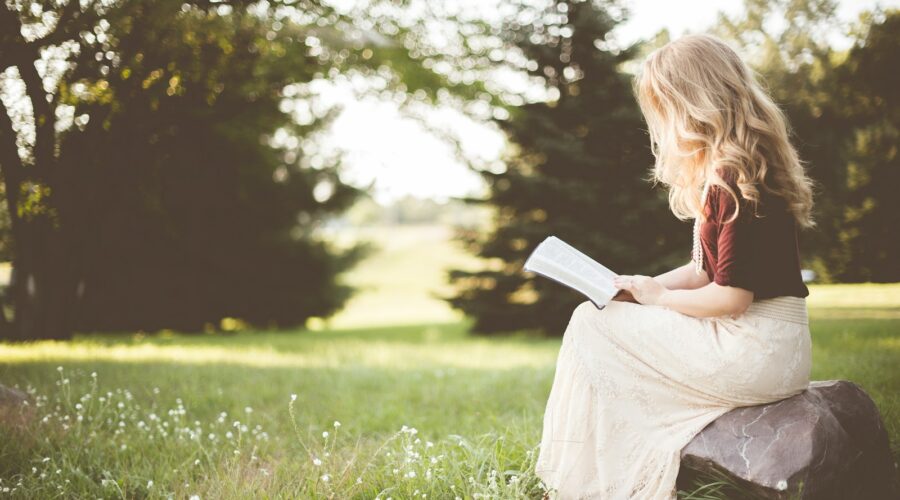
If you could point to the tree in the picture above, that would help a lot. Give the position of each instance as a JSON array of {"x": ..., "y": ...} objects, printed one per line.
[
  {"x": 204, "y": 219},
  {"x": 577, "y": 170},
  {"x": 869, "y": 86},
  {"x": 158, "y": 205},
  {"x": 838, "y": 106}
]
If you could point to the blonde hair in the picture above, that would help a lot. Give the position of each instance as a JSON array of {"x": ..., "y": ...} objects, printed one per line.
[{"x": 709, "y": 118}]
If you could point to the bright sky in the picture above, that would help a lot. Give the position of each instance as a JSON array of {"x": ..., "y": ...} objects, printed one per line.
[{"x": 402, "y": 158}]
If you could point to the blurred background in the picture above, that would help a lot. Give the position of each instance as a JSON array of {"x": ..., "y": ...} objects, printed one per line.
[{"x": 225, "y": 165}]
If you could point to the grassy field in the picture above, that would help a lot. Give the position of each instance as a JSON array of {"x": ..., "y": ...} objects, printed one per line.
[{"x": 410, "y": 411}]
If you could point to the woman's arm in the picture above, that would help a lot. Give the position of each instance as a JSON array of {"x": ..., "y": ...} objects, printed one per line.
[
  {"x": 682, "y": 278},
  {"x": 711, "y": 299}
]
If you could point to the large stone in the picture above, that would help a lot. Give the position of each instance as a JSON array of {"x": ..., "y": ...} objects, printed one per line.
[{"x": 826, "y": 443}]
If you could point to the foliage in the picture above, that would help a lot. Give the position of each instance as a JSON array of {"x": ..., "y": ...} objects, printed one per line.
[
  {"x": 184, "y": 208},
  {"x": 867, "y": 244},
  {"x": 842, "y": 107},
  {"x": 167, "y": 182},
  {"x": 577, "y": 170}
]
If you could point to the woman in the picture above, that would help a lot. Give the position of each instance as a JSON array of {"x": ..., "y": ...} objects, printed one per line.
[{"x": 637, "y": 380}]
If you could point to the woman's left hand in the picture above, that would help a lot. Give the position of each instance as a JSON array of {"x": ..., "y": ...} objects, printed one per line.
[{"x": 645, "y": 289}]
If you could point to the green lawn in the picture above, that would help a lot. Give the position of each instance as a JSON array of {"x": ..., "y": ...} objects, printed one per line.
[
  {"x": 410, "y": 410},
  {"x": 478, "y": 401}
]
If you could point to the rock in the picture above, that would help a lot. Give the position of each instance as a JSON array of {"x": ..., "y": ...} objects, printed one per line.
[
  {"x": 15, "y": 406},
  {"x": 826, "y": 443}
]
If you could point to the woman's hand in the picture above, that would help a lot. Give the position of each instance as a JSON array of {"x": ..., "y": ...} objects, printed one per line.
[
  {"x": 624, "y": 296},
  {"x": 644, "y": 289}
]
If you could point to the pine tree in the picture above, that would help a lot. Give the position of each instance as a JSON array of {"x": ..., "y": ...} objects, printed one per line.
[{"x": 578, "y": 170}]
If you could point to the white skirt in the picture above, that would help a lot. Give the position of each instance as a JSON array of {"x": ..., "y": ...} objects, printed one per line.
[{"x": 635, "y": 383}]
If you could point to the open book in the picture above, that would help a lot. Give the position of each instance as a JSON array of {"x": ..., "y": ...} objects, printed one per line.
[{"x": 555, "y": 259}]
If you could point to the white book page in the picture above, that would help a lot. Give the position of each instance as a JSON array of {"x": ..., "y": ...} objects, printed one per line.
[{"x": 557, "y": 260}]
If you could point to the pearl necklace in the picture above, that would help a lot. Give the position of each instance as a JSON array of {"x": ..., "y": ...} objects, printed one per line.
[{"x": 697, "y": 249}]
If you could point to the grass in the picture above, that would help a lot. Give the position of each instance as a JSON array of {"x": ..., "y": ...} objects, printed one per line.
[
  {"x": 408, "y": 411},
  {"x": 478, "y": 401}
]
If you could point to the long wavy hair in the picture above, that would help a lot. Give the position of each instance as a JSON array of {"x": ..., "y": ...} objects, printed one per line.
[{"x": 709, "y": 118}]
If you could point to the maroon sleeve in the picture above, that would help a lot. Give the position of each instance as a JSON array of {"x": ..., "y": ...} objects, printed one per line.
[{"x": 734, "y": 243}]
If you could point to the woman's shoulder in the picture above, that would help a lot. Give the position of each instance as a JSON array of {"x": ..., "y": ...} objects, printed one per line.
[{"x": 726, "y": 200}]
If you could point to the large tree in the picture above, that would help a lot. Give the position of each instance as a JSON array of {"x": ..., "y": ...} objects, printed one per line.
[
  {"x": 867, "y": 245},
  {"x": 154, "y": 191},
  {"x": 841, "y": 107},
  {"x": 577, "y": 169}
]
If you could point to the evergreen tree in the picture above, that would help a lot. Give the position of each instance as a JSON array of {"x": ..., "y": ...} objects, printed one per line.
[
  {"x": 867, "y": 246},
  {"x": 578, "y": 170}
]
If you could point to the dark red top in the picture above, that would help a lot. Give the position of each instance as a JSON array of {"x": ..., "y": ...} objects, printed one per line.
[{"x": 760, "y": 254}]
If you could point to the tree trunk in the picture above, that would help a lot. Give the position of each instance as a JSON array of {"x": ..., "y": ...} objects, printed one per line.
[{"x": 42, "y": 286}]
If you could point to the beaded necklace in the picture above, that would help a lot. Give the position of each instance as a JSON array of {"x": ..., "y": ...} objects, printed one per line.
[{"x": 697, "y": 250}]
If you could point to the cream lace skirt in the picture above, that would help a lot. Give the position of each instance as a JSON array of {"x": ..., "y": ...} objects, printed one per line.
[{"x": 634, "y": 384}]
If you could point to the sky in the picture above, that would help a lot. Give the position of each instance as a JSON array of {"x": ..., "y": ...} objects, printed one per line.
[{"x": 402, "y": 158}]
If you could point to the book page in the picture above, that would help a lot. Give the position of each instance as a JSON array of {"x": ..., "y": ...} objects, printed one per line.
[{"x": 557, "y": 260}]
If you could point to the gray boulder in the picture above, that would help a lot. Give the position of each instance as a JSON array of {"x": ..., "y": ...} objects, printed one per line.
[{"x": 826, "y": 443}]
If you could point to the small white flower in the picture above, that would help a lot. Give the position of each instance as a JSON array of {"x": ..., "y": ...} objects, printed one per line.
[
  {"x": 781, "y": 485},
  {"x": 317, "y": 462},
  {"x": 150, "y": 483},
  {"x": 59, "y": 368},
  {"x": 411, "y": 473},
  {"x": 194, "y": 497},
  {"x": 336, "y": 424},
  {"x": 325, "y": 434},
  {"x": 248, "y": 410},
  {"x": 293, "y": 397},
  {"x": 325, "y": 477}
]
